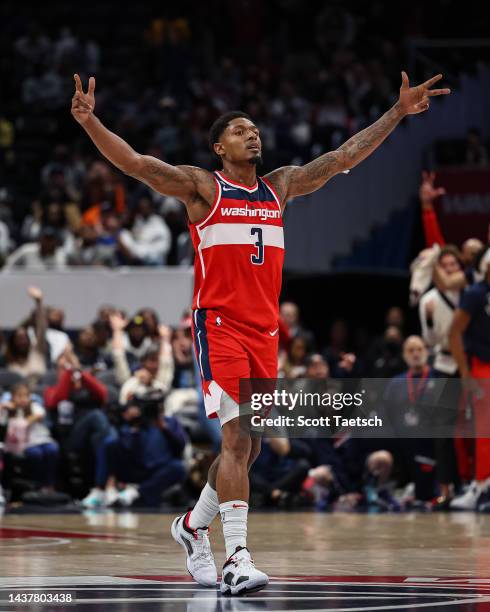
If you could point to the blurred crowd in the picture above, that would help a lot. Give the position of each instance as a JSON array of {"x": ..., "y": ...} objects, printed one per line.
[
  {"x": 112, "y": 414},
  {"x": 310, "y": 76}
]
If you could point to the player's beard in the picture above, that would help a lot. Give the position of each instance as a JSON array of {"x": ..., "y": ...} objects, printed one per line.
[{"x": 256, "y": 160}]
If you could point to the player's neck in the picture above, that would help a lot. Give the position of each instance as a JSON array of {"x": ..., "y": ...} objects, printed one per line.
[{"x": 246, "y": 174}]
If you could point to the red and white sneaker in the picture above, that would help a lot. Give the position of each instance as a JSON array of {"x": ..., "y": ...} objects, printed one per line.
[
  {"x": 200, "y": 560},
  {"x": 240, "y": 576}
]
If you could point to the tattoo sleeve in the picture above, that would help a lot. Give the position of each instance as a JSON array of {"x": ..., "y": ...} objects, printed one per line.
[
  {"x": 310, "y": 177},
  {"x": 164, "y": 178}
]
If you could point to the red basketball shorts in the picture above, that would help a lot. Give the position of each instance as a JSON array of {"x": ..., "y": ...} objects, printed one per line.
[{"x": 228, "y": 351}]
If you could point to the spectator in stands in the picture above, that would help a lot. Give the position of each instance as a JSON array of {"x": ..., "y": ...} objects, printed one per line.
[
  {"x": 385, "y": 356},
  {"x": 89, "y": 353},
  {"x": 428, "y": 194},
  {"x": 476, "y": 153},
  {"x": 26, "y": 357},
  {"x": 146, "y": 452},
  {"x": 289, "y": 313},
  {"x": 469, "y": 340},
  {"x": 341, "y": 362},
  {"x": 29, "y": 437},
  {"x": 45, "y": 254},
  {"x": 406, "y": 399},
  {"x": 57, "y": 339},
  {"x": 78, "y": 399},
  {"x": 156, "y": 366},
  {"x": 136, "y": 339},
  {"x": 152, "y": 322},
  {"x": 293, "y": 363},
  {"x": 88, "y": 249},
  {"x": 436, "y": 311},
  {"x": 56, "y": 336},
  {"x": 277, "y": 475},
  {"x": 148, "y": 241},
  {"x": 183, "y": 392},
  {"x": 102, "y": 191}
]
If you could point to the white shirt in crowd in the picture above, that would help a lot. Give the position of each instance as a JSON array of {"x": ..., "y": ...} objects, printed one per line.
[
  {"x": 149, "y": 240},
  {"x": 28, "y": 256},
  {"x": 437, "y": 335}
]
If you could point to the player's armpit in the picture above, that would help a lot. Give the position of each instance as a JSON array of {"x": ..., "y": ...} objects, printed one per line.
[{"x": 182, "y": 182}]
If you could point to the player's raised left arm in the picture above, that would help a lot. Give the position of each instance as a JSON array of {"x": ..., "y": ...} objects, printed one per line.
[{"x": 291, "y": 181}]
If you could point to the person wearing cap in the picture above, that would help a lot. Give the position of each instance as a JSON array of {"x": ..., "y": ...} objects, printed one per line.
[
  {"x": 45, "y": 254},
  {"x": 469, "y": 341},
  {"x": 156, "y": 369}
]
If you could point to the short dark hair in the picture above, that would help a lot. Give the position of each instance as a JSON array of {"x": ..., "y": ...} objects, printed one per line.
[{"x": 220, "y": 125}]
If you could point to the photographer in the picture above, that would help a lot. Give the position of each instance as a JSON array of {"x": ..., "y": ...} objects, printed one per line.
[{"x": 147, "y": 451}]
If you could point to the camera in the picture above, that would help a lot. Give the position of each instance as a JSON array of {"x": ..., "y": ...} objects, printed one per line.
[{"x": 150, "y": 405}]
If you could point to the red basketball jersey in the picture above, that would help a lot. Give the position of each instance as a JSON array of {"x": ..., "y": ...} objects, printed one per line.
[{"x": 239, "y": 253}]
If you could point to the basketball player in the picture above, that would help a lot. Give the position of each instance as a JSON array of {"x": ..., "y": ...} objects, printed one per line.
[{"x": 235, "y": 220}]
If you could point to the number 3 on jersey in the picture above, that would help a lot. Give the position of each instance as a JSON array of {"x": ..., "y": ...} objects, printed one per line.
[{"x": 257, "y": 258}]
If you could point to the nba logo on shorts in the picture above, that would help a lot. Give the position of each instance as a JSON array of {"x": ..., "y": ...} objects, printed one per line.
[{"x": 218, "y": 321}]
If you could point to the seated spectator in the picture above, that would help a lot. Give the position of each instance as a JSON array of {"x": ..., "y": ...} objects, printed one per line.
[
  {"x": 26, "y": 357},
  {"x": 57, "y": 339},
  {"x": 89, "y": 353},
  {"x": 102, "y": 191},
  {"x": 152, "y": 322},
  {"x": 77, "y": 401},
  {"x": 45, "y": 254},
  {"x": 156, "y": 366},
  {"x": 28, "y": 436},
  {"x": 289, "y": 313},
  {"x": 147, "y": 452},
  {"x": 275, "y": 474},
  {"x": 148, "y": 241},
  {"x": 88, "y": 250},
  {"x": 385, "y": 356},
  {"x": 133, "y": 334},
  {"x": 341, "y": 362},
  {"x": 294, "y": 361}
]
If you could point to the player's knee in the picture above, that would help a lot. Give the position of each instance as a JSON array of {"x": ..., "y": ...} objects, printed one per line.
[
  {"x": 236, "y": 442},
  {"x": 380, "y": 463}
]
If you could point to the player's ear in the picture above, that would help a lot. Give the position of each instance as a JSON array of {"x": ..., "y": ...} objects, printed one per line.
[{"x": 219, "y": 149}]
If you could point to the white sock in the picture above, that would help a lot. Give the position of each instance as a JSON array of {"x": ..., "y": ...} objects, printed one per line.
[
  {"x": 205, "y": 510},
  {"x": 234, "y": 519}
]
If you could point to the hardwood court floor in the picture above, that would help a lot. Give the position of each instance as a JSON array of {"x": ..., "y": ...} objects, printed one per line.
[{"x": 112, "y": 548}]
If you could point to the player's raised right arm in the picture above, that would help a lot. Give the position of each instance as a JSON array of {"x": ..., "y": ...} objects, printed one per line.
[{"x": 179, "y": 182}]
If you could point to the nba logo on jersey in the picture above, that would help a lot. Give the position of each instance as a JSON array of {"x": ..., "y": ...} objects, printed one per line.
[{"x": 218, "y": 321}]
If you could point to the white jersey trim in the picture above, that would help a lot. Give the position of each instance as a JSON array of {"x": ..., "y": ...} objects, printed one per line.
[
  {"x": 215, "y": 206},
  {"x": 273, "y": 191},
  {"x": 239, "y": 233}
]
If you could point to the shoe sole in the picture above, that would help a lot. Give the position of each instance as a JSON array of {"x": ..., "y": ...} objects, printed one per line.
[
  {"x": 234, "y": 591},
  {"x": 178, "y": 539}
]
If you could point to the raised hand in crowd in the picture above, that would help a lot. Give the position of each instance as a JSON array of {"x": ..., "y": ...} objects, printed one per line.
[{"x": 427, "y": 192}]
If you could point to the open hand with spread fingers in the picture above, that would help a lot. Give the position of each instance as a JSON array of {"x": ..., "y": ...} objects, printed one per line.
[
  {"x": 415, "y": 100},
  {"x": 83, "y": 104}
]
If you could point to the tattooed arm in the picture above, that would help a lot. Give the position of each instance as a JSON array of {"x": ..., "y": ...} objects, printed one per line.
[
  {"x": 292, "y": 181},
  {"x": 193, "y": 186}
]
